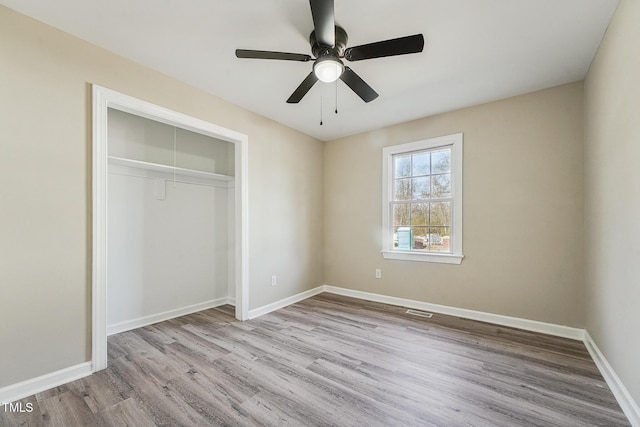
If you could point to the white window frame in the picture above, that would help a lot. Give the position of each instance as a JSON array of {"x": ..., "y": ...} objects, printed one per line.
[{"x": 388, "y": 251}]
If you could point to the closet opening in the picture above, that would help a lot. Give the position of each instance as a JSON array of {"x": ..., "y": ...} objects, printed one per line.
[{"x": 169, "y": 217}]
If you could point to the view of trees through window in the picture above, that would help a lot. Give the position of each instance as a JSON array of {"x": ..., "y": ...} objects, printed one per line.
[{"x": 421, "y": 204}]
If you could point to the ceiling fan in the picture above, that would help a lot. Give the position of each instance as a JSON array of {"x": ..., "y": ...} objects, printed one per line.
[{"x": 328, "y": 45}]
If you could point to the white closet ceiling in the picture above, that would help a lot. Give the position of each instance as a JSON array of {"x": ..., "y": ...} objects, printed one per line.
[{"x": 475, "y": 51}]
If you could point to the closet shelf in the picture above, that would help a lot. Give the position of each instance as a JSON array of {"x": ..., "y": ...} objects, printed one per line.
[{"x": 122, "y": 161}]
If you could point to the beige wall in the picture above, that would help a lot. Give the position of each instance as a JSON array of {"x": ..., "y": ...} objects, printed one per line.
[
  {"x": 45, "y": 198},
  {"x": 612, "y": 202},
  {"x": 522, "y": 210},
  {"x": 524, "y": 181}
]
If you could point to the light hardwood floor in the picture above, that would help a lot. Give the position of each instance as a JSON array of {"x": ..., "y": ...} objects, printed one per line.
[{"x": 332, "y": 360}]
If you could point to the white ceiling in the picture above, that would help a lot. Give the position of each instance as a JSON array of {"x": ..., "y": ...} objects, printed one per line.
[{"x": 475, "y": 50}]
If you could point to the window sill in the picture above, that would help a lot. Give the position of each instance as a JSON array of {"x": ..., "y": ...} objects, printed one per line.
[{"x": 422, "y": 257}]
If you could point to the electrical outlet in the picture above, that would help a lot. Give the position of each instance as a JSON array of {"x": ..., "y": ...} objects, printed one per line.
[
  {"x": 274, "y": 280},
  {"x": 378, "y": 273}
]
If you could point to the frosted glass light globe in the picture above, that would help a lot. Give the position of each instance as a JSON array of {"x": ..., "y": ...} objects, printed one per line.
[{"x": 328, "y": 70}]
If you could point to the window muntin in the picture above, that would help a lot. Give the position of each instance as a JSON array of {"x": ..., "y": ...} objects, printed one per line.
[{"x": 421, "y": 200}]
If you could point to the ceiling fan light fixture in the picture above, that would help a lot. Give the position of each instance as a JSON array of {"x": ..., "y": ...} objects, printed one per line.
[{"x": 328, "y": 69}]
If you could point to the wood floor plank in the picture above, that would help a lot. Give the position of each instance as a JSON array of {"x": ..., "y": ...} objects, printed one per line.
[
  {"x": 124, "y": 413},
  {"x": 332, "y": 361},
  {"x": 65, "y": 408},
  {"x": 96, "y": 391}
]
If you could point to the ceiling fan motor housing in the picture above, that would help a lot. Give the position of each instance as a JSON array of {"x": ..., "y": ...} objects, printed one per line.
[{"x": 322, "y": 50}]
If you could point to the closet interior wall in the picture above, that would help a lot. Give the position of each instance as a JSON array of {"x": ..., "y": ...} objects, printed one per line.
[{"x": 170, "y": 246}]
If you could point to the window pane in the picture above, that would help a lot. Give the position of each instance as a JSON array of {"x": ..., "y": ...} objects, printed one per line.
[
  {"x": 402, "y": 166},
  {"x": 439, "y": 239},
  {"x": 421, "y": 164},
  {"x": 402, "y": 238},
  {"x": 420, "y": 238},
  {"x": 419, "y": 214},
  {"x": 401, "y": 214},
  {"x": 441, "y": 161},
  {"x": 441, "y": 186},
  {"x": 402, "y": 189},
  {"x": 421, "y": 188},
  {"x": 440, "y": 214}
]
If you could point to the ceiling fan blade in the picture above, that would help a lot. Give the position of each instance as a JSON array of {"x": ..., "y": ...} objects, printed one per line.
[
  {"x": 265, "y": 54},
  {"x": 302, "y": 90},
  {"x": 362, "y": 89},
  {"x": 324, "y": 21},
  {"x": 399, "y": 46}
]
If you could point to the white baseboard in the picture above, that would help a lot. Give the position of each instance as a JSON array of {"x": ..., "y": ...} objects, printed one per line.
[
  {"x": 514, "y": 322},
  {"x": 622, "y": 395},
  {"x": 231, "y": 301},
  {"x": 497, "y": 319},
  {"x": 45, "y": 382},
  {"x": 159, "y": 317},
  {"x": 257, "y": 312}
]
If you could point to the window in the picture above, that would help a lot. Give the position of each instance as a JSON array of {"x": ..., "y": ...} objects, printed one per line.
[{"x": 422, "y": 200}]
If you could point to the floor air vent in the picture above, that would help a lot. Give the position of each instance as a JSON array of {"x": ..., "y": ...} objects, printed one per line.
[{"x": 420, "y": 313}]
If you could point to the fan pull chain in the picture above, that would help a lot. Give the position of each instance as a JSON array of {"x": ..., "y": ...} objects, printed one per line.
[
  {"x": 336, "y": 96},
  {"x": 321, "y": 111}
]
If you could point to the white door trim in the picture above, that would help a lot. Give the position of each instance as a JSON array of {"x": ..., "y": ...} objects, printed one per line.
[{"x": 103, "y": 99}]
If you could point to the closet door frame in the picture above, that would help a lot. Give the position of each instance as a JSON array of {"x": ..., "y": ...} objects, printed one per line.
[{"x": 103, "y": 99}]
